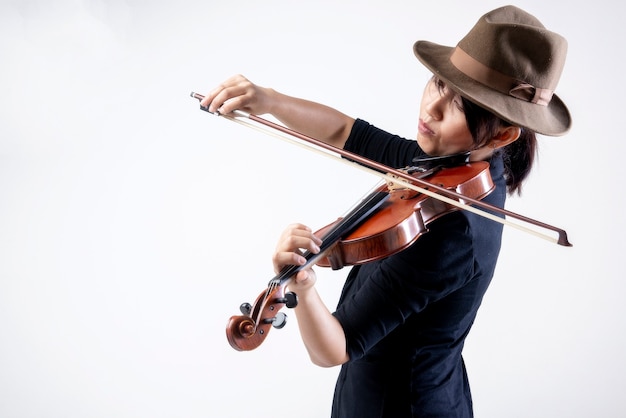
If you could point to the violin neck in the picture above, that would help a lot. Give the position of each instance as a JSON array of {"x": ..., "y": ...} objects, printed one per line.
[{"x": 342, "y": 228}]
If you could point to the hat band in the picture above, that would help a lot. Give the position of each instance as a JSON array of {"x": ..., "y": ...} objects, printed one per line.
[{"x": 498, "y": 81}]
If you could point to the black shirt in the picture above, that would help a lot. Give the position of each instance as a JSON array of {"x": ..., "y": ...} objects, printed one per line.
[{"x": 406, "y": 316}]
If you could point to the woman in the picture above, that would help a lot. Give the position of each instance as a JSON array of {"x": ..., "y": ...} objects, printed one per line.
[{"x": 401, "y": 322}]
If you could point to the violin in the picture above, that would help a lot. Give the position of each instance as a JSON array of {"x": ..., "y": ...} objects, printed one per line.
[{"x": 387, "y": 221}]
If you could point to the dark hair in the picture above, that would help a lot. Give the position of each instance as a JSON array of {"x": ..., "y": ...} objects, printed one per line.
[{"x": 518, "y": 156}]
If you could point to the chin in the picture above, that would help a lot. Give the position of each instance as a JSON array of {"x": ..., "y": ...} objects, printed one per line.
[{"x": 425, "y": 146}]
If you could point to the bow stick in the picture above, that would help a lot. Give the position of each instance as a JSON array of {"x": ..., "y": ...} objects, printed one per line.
[{"x": 391, "y": 175}]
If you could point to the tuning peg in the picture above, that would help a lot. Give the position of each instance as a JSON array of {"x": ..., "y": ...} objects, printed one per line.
[
  {"x": 279, "y": 320},
  {"x": 245, "y": 308},
  {"x": 290, "y": 300}
]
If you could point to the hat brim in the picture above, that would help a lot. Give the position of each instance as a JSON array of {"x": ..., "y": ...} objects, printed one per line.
[{"x": 553, "y": 119}]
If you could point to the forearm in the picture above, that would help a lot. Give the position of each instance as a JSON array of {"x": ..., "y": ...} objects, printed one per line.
[
  {"x": 321, "y": 332},
  {"x": 312, "y": 119},
  {"x": 306, "y": 117}
]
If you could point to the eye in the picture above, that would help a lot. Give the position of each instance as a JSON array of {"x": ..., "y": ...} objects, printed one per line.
[
  {"x": 442, "y": 89},
  {"x": 441, "y": 85}
]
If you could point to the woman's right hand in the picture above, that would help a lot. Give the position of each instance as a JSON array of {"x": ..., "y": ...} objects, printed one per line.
[
  {"x": 238, "y": 93},
  {"x": 309, "y": 118}
]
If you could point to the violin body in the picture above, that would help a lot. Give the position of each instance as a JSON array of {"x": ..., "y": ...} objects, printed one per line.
[
  {"x": 394, "y": 225},
  {"x": 404, "y": 217}
]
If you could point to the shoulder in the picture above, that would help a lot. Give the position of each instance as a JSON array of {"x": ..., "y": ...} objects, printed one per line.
[{"x": 372, "y": 142}]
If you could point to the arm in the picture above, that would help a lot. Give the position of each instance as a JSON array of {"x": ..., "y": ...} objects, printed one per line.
[
  {"x": 309, "y": 118},
  {"x": 321, "y": 332}
]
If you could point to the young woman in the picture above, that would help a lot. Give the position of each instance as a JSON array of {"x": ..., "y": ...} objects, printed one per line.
[{"x": 401, "y": 322}]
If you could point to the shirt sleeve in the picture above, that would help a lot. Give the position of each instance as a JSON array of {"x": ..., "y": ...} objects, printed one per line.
[{"x": 381, "y": 146}]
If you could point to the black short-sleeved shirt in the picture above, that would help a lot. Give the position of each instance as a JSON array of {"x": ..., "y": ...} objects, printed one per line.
[{"x": 406, "y": 317}]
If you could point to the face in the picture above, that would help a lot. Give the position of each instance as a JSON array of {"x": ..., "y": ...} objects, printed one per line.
[{"x": 442, "y": 126}]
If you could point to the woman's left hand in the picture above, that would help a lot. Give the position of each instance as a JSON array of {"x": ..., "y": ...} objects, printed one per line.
[{"x": 294, "y": 239}]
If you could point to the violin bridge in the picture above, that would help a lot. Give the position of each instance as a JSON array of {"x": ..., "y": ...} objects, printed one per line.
[{"x": 393, "y": 186}]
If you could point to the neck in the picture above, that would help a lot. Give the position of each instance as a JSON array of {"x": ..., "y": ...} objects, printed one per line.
[{"x": 481, "y": 154}]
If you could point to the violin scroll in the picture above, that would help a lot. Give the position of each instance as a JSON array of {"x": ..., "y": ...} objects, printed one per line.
[{"x": 248, "y": 331}]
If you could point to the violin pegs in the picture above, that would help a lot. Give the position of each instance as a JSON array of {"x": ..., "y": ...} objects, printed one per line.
[
  {"x": 279, "y": 321},
  {"x": 290, "y": 300},
  {"x": 245, "y": 308}
]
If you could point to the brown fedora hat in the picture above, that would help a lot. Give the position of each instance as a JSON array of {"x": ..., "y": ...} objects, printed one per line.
[{"x": 510, "y": 64}]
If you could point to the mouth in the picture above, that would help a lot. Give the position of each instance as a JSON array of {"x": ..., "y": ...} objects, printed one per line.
[{"x": 424, "y": 128}]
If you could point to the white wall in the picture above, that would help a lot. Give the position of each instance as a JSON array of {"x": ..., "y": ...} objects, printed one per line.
[{"x": 132, "y": 225}]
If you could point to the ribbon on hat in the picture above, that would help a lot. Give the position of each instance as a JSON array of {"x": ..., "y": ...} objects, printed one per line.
[
  {"x": 532, "y": 94},
  {"x": 498, "y": 81}
]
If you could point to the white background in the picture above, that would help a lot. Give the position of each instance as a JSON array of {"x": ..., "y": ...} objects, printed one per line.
[{"x": 132, "y": 225}]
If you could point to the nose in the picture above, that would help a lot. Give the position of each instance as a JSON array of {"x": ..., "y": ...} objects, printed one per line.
[{"x": 434, "y": 106}]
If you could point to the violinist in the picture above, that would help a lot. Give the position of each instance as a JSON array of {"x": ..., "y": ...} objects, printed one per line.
[{"x": 401, "y": 322}]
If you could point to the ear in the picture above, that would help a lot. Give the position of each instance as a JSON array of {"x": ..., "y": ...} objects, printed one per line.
[{"x": 505, "y": 136}]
